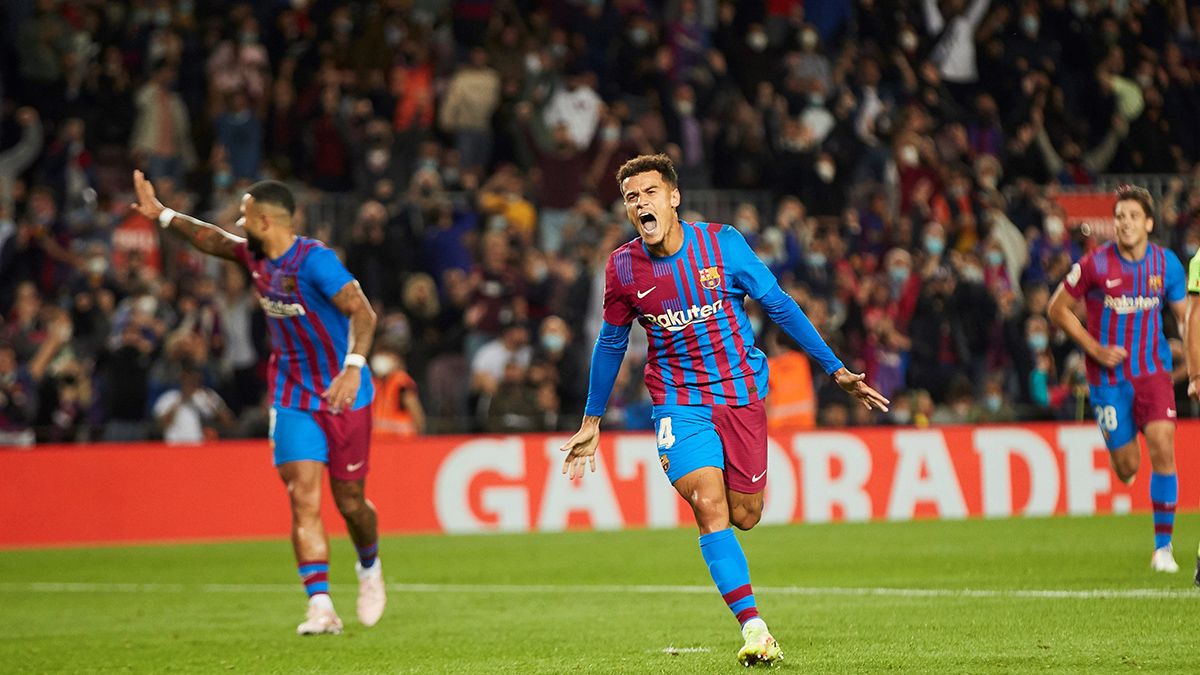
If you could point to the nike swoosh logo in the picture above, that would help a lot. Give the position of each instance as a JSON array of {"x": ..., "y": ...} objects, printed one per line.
[
  {"x": 757, "y": 478},
  {"x": 1113, "y": 283},
  {"x": 355, "y": 467},
  {"x": 648, "y": 291}
]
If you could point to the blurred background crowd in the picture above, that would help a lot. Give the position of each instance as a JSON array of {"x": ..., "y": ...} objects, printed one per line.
[{"x": 895, "y": 162}]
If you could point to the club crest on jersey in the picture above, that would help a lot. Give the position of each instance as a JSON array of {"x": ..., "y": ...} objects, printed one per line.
[
  {"x": 287, "y": 284},
  {"x": 710, "y": 277},
  {"x": 1156, "y": 283}
]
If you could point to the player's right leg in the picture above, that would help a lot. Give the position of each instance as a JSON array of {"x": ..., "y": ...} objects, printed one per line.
[
  {"x": 1113, "y": 407},
  {"x": 1164, "y": 492},
  {"x": 299, "y": 453},
  {"x": 691, "y": 455}
]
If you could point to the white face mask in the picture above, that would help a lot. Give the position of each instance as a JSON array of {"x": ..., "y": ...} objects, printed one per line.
[
  {"x": 757, "y": 41},
  {"x": 908, "y": 41},
  {"x": 826, "y": 171},
  {"x": 685, "y": 108},
  {"x": 1054, "y": 226},
  {"x": 909, "y": 155},
  {"x": 382, "y": 365}
]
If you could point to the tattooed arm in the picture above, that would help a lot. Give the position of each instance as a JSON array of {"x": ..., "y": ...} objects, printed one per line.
[
  {"x": 204, "y": 236},
  {"x": 351, "y": 301}
]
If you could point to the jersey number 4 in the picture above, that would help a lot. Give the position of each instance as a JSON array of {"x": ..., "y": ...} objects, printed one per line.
[{"x": 665, "y": 438}]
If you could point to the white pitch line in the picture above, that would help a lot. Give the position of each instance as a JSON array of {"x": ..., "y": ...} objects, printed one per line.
[{"x": 1037, "y": 594}]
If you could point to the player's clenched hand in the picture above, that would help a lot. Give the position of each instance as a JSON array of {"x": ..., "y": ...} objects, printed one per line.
[
  {"x": 147, "y": 203},
  {"x": 581, "y": 450},
  {"x": 855, "y": 385},
  {"x": 343, "y": 390},
  {"x": 1109, "y": 356}
]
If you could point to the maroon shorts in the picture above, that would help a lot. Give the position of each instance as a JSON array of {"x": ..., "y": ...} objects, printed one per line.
[{"x": 732, "y": 438}]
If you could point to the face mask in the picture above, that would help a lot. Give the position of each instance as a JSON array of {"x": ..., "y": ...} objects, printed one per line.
[
  {"x": 816, "y": 100},
  {"x": 757, "y": 41},
  {"x": 1053, "y": 225},
  {"x": 908, "y": 41},
  {"x": 610, "y": 134},
  {"x": 343, "y": 26},
  {"x": 816, "y": 259},
  {"x": 902, "y": 416},
  {"x": 1144, "y": 80},
  {"x": 162, "y": 17},
  {"x": 684, "y": 108},
  {"x": 1029, "y": 24},
  {"x": 553, "y": 342},
  {"x": 898, "y": 274},
  {"x": 988, "y": 180},
  {"x": 146, "y": 304},
  {"x": 826, "y": 171},
  {"x": 808, "y": 39},
  {"x": 934, "y": 245},
  {"x": 993, "y": 402},
  {"x": 392, "y": 34},
  {"x": 1038, "y": 342},
  {"x": 909, "y": 156},
  {"x": 1079, "y": 8},
  {"x": 377, "y": 159},
  {"x": 995, "y": 258},
  {"x": 1191, "y": 249},
  {"x": 248, "y": 38},
  {"x": 533, "y": 64},
  {"x": 972, "y": 274},
  {"x": 383, "y": 364},
  {"x": 639, "y": 36},
  {"x": 97, "y": 266},
  {"x": 222, "y": 180}
]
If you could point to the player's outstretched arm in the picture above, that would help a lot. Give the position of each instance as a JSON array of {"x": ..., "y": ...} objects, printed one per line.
[
  {"x": 856, "y": 385},
  {"x": 581, "y": 448},
  {"x": 1062, "y": 312},
  {"x": 204, "y": 236}
]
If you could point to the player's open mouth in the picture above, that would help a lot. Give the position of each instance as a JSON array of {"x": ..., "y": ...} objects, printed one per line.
[{"x": 649, "y": 223}]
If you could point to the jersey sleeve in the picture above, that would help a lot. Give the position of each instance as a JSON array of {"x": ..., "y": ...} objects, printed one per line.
[
  {"x": 1193, "y": 274},
  {"x": 1176, "y": 281},
  {"x": 617, "y": 309},
  {"x": 326, "y": 271},
  {"x": 750, "y": 273},
  {"x": 1079, "y": 279}
]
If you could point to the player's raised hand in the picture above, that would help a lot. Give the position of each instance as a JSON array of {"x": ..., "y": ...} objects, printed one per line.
[
  {"x": 147, "y": 203},
  {"x": 581, "y": 449},
  {"x": 855, "y": 384},
  {"x": 1109, "y": 356}
]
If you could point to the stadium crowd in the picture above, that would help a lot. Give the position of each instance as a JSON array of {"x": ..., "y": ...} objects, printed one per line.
[{"x": 911, "y": 150}]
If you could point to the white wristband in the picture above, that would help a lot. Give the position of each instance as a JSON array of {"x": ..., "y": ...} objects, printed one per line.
[
  {"x": 356, "y": 360},
  {"x": 164, "y": 218}
]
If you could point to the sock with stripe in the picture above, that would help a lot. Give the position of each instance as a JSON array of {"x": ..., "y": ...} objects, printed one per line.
[
  {"x": 367, "y": 555},
  {"x": 1164, "y": 490},
  {"x": 315, "y": 575},
  {"x": 727, "y": 565}
]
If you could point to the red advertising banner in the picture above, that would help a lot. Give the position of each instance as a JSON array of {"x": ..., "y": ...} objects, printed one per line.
[{"x": 79, "y": 494}]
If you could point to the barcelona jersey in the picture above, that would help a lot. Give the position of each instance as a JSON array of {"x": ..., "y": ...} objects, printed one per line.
[
  {"x": 701, "y": 346},
  {"x": 309, "y": 334},
  {"x": 1124, "y": 307}
]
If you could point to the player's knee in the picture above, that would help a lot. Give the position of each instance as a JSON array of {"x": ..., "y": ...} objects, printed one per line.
[
  {"x": 349, "y": 500},
  {"x": 710, "y": 510},
  {"x": 1125, "y": 468},
  {"x": 745, "y": 519}
]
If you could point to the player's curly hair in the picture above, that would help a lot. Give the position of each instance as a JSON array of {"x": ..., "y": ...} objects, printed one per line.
[
  {"x": 1137, "y": 194},
  {"x": 643, "y": 163}
]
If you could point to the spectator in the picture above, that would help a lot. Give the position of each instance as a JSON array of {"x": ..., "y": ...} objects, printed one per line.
[
  {"x": 162, "y": 135},
  {"x": 397, "y": 410},
  {"x": 191, "y": 413},
  {"x": 466, "y": 112}
]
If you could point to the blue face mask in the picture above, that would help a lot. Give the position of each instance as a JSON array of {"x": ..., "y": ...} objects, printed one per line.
[
  {"x": 554, "y": 342},
  {"x": 816, "y": 259},
  {"x": 1038, "y": 342},
  {"x": 934, "y": 245},
  {"x": 898, "y": 274},
  {"x": 995, "y": 257},
  {"x": 993, "y": 402}
]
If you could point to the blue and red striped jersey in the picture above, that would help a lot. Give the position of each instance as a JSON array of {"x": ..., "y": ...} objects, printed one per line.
[
  {"x": 701, "y": 346},
  {"x": 309, "y": 334},
  {"x": 1124, "y": 307}
]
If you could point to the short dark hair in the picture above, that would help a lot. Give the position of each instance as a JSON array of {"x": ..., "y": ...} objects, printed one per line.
[
  {"x": 643, "y": 163},
  {"x": 274, "y": 193},
  {"x": 1137, "y": 194}
]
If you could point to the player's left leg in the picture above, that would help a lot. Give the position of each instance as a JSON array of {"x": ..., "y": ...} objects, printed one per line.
[
  {"x": 743, "y": 434},
  {"x": 349, "y": 438},
  {"x": 1154, "y": 408}
]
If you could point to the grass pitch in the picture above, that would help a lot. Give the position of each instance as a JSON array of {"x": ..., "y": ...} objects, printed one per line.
[{"x": 1066, "y": 594}]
